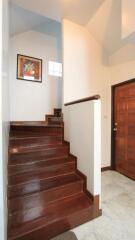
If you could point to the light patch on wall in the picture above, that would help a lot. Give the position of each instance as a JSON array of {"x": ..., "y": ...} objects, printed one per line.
[{"x": 55, "y": 69}]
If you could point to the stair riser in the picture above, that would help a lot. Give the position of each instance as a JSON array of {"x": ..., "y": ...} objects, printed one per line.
[
  {"x": 53, "y": 211},
  {"x": 37, "y": 155},
  {"x": 57, "y": 112},
  {"x": 31, "y": 167},
  {"x": 28, "y": 142},
  {"x": 36, "y": 186},
  {"x": 46, "y": 196},
  {"x": 54, "y": 122},
  {"x": 61, "y": 226},
  {"x": 30, "y": 149},
  {"x": 54, "y": 118},
  {"x": 45, "y": 173},
  {"x": 35, "y": 131}
]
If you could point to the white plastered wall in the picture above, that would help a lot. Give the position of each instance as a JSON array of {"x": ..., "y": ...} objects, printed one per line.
[
  {"x": 30, "y": 101},
  {"x": 122, "y": 64},
  {"x": 83, "y": 130},
  {"x": 86, "y": 73}
]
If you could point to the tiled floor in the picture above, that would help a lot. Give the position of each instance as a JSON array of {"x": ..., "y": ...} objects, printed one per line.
[{"x": 118, "y": 205}]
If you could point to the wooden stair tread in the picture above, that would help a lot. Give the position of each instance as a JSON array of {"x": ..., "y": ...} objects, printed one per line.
[
  {"x": 40, "y": 160},
  {"x": 18, "y": 168},
  {"x": 39, "y": 148},
  {"x": 39, "y": 154},
  {"x": 51, "y": 146},
  {"x": 61, "y": 191},
  {"x": 22, "y": 161},
  {"x": 18, "y": 137},
  {"x": 34, "y": 147},
  {"x": 24, "y": 142},
  {"x": 33, "y": 124},
  {"x": 38, "y": 130},
  {"x": 47, "y": 172},
  {"x": 42, "y": 185},
  {"x": 27, "y": 221}
]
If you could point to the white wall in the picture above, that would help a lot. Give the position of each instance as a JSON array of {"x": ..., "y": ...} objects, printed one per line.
[
  {"x": 122, "y": 72},
  {"x": 4, "y": 116},
  {"x": 85, "y": 74},
  {"x": 122, "y": 64},
  {"x": 31, "y": 101},
  {"x": 83, "y": 130},
  {"x": 124, "y": 55}
]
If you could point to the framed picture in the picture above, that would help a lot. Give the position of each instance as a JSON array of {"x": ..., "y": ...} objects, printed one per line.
[{"x": 29, "y": 68}]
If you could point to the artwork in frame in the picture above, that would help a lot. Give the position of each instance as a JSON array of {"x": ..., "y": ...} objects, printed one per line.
[{"x": 29, "y": 68}]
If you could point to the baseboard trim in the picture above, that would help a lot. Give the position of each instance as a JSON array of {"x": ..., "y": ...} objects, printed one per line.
[{"x": 103, "y": 169}]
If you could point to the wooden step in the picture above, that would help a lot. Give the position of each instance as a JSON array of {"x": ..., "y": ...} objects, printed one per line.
[
  {"x": 47, "y": 196},
  {"x": 34, "y": 148},
  {"x": 54, "y": 120},
  {"x": 35, "y": 130},
  {"x": 57, "y": 112},
  {"x": 49, "y": 171},
  {"x": 26, "y": 142},
  {"x": 34, "y": 223},
  {"x": 14, "y": 169},
  {"x": 41, "y": 185},
  {"x": 39, "y": 154}
]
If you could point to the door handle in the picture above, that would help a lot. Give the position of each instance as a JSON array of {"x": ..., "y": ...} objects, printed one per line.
[{"x": 115, "y": 129}]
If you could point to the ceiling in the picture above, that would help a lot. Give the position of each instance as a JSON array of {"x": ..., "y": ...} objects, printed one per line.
[
  {"x": 103, "y": 18},
  {"x": 22, "y": 20},
  {"x": 106, "y": 26},
  {"x": 79, "y": 11}
]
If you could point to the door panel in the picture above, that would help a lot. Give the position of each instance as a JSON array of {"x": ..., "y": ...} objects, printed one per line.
[{"x": 124, "y": 129}]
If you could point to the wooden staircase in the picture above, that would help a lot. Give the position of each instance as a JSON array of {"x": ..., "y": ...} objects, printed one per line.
[{"x": 46, "y": 193}]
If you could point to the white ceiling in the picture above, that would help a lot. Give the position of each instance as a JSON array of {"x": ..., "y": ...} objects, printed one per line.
[
  {"x": 79, "y": 11},
  {"x": 106, "y": 25},
  {"x": 103, "y": 18},
  {"x": 22, "y": 20}
]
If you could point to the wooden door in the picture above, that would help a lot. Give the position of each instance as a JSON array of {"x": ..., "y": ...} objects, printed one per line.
[{"x": 124, "y": 129}]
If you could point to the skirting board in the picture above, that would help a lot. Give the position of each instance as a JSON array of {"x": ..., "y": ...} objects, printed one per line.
[{"x": 103, "y": 169}]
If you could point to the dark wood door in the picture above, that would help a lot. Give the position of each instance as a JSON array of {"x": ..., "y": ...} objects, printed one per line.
[{"x": 124, "y": 129}]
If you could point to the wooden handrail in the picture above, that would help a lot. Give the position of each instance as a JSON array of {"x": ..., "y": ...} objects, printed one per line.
[{"x": 95, "y": 97}]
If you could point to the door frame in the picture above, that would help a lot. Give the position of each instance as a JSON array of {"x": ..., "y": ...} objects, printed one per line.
[{"x": 112, "y": 119}]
